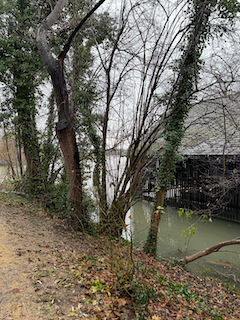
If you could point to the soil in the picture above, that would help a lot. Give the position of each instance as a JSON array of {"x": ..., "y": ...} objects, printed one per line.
[
  {"x": 30, "y": 248},
  {"x": 47, "y": 271}
]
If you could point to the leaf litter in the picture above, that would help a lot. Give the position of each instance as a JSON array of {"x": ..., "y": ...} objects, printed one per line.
[{"x": 73, "y": 275}]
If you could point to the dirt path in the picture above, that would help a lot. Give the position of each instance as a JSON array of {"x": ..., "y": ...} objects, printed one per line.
[
  {"x": 30, "y": 249},
  {"x": 16, "y": 292}
]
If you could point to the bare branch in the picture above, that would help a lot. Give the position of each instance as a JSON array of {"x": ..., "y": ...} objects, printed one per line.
[
  {"x": 210, "y": 250},
  {"x": 66, "y": 48}
]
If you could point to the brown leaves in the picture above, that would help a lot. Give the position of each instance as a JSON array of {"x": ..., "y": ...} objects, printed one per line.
[{"x": 96, "y": 283}]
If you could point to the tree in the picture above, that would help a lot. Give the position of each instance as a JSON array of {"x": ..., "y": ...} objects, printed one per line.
[
  {"x": 136, "y": 61},
  {"x": 20, "y": 72},
  {"x": 65, "y": 132},
  {"x": 179, "y": 104}
]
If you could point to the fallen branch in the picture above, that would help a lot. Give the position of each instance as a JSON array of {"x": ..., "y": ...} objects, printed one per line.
[{"x": 210, "y": 250}]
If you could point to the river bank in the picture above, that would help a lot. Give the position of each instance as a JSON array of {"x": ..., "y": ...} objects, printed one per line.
[
  {"x": 49, "y": 272},
  {"x": 173, "y": 241}
]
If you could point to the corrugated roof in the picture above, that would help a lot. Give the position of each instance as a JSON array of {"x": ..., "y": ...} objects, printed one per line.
[{"x": 213, "y": 127}]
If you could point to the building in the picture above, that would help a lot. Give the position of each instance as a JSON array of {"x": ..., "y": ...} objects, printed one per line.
[{"x": 208, "y": 176}]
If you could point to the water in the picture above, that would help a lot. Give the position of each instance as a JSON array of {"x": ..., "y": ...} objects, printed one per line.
[
  {"x": 6, "y": 173},
  {"x": 224, "y": 265},
  {"x": 3, "y": 172}
]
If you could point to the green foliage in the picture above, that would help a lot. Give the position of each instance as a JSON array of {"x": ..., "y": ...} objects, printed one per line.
[
  {"x": 18, "y": 51},
  {"x": 51, "y": 155},
  {"x": 21, "y": 72},
  {"x": 188, "y": 213},
  {"x": 58, "y": 200},
  {"x": 178, "y": 289},
  {"x": 189, "y": 232},
  {"x": 151, "y": 243},
  {"x": 228, "y": 9},
  {"x": 196, "y": 301},
  {"x": 141, "y": 296},
  {"x": 228, "y": 286},
  {"x": 88, "y": 209}
]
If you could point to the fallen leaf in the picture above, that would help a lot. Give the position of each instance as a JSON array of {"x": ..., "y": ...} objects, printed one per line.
[
  {"x": 116, "y": 313},
  {"x": 15, "y": 290},
  {"x": 121, "y": 302}
]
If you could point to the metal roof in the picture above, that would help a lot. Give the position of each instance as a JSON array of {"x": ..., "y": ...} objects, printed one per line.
[{"x": 213, "y": 127}]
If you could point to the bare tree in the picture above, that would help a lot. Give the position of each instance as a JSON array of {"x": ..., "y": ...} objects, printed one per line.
[{"x": 134, "y": 69}]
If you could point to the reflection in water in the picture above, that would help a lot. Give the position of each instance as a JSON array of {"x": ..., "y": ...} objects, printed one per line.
[{"x": 171, "y": 246}]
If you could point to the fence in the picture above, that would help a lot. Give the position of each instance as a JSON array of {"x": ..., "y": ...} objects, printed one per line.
[{"x": 210, "y": 183}]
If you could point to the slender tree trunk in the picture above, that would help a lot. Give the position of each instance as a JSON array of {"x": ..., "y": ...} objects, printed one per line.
[
  {"x": 103, "y": 190},
  {"x": 9, "y": 156},
  {"x": 28, "y": 137},
  {"x": 151, "y": 243},
  {"x": 178, "y": 107},
  {"x": 104, "y": 214},
  {"x": 19, "y": 150},
  {"x": 224, "y": 149}
]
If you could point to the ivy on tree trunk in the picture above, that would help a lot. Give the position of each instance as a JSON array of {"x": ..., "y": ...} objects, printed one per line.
[
  {"x": 64, "y": 128},
  {"x": 178, "y": 106}
]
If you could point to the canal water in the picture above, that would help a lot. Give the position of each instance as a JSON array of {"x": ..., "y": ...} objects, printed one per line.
[{"x": 224, "y": 265}]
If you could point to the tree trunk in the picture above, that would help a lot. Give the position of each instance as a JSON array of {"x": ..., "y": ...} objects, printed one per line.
[
  {"x": 65, "y": 133},
  {"x": 31, "y": 149},
  {"x": 64, "y": 127},
  {"x": 69, "y": 149},
  {"x": 151, "y": 243},
  {"x": 68, "y": 144},
  {"x": 178, "y": 106},
  {"x": 26, "y": 126},
  {"x": 8, "y": 154}
]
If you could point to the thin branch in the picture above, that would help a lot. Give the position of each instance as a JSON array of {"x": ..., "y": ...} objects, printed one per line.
[{"x": 66, "y": 48}]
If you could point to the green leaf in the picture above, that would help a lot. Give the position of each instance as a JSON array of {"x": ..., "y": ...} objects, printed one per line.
[
  {"x": 179, "y": 213},
  {"x": 94, "y": 289}
]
